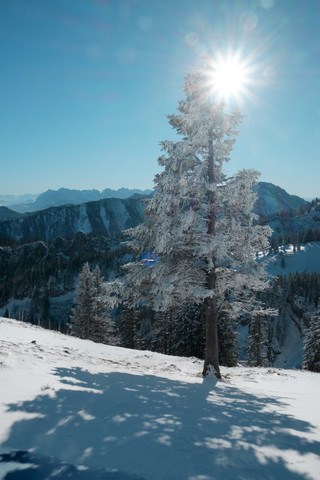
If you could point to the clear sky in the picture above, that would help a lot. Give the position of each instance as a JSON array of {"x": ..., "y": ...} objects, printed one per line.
[{"x": 85, "y": 87}]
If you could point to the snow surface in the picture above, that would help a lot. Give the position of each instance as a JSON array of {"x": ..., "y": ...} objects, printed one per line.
[
  {"x": 70, "y": 408},
  {"x": 308, "y": 259}
]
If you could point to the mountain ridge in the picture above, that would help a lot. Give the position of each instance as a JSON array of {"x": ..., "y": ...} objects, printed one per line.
[
  {"x": 101, "y": 216},
  {"x": 104, "y": 217},
  {"x": 66, "y": 196},
  {"x": 271, "y": 198}
]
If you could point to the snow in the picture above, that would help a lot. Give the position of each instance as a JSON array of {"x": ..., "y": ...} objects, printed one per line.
[
  {"x": 83, "y": 222},
  {"x": 308, "y": 259},
  {"x": 72, "y": 408},
  {"x": 105, "y": 219}
]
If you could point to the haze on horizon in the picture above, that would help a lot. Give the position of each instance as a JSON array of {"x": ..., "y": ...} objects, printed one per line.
[{"x": 86, "y": 87}]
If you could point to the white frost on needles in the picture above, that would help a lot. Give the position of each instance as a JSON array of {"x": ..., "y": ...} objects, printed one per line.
[{"x": 150, "y": 416}]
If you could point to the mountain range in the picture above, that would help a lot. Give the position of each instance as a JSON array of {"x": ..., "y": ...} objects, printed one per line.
[
  {"x": 103, "y": 217},
  {"x": 64, "y": 196},
  {"x": 58, "y": 213}
]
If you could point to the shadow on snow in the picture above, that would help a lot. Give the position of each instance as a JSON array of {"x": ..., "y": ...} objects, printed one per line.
[{"x": 160, "y": 428}]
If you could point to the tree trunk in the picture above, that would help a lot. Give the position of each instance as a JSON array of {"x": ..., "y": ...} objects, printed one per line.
[{"x": 212, "y": 353}]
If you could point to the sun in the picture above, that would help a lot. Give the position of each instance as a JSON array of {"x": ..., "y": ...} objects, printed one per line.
[{"x": 229, "y": 77}]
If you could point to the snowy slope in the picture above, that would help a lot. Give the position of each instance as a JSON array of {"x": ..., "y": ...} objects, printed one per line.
[
  {"x": 106, "y": 217},
  {"x": 308, "y": 258},
  {"x": 74, "y": 409}
]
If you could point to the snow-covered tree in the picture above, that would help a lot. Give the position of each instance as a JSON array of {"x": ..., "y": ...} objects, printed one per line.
[
  {"x": 311, "y": 359},
  {"x": 198, "y": 225},
  {"x": 90, "y": 318}
]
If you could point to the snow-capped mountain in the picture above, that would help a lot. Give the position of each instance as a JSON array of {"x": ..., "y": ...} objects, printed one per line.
[
  {"x": 111, "y": 215},
  {"x": 107, "y": 217}
]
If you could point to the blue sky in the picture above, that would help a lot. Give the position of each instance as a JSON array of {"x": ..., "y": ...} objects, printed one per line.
[{"x": 85, "y": 87}]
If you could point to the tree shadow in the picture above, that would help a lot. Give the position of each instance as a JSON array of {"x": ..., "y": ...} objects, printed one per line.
[{"x": 160, "y": 428}]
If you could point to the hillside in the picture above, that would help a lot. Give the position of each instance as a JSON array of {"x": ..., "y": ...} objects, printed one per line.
[
  {"x": 306, "y": 259},
  {"x": 7, "y": 214},
  {"x": 78, "y": 410},
  {"x": 273, "y": 199},
  {"x": 105, "y": 217}
]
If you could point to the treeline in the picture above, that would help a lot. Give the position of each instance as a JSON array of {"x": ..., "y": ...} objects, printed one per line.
[{"x": 294, "y": 238}]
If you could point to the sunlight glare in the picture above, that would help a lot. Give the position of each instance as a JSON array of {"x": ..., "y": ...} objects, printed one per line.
[{"x": 228, "y": 78}]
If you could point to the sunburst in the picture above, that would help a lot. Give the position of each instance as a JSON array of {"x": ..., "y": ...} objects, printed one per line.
[{"x": 229, "y": 77}]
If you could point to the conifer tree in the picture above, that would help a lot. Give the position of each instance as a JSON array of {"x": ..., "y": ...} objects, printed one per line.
[
  {"x": 82, "y": 314},
  {"x": 199, "y": 222},
  {"x": 189, "y": 331},
  {"x": 90, "y": 319},
  {"x": 128, "y": 324},
  {"x": 311, "y": 359},
  {"x": 102, "y": 328},
  {"x": 257, "y": 340},
  {"x": 162, "y": 330},
  {"x": 228, "y": 336}
]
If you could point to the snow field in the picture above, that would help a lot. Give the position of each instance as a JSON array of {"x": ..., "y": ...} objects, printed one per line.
[{"x": 150, "y": 416}]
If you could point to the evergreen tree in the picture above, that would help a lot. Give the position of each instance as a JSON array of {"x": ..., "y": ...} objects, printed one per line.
[
  {"x": 199, "y": 224},
  {"x": 162, "y": 330},
  {"x": 82, "y": 314},
  {"x": 311, "y": 359},
  {"x": 189, "y": 331},
  {"x": 257, "y": 340},
  {"x": 228, "y": 336},
  {"x": 89, "y": 318},
  {"x": 102, "y": 330},
  {"x": 128, "y": 324}
]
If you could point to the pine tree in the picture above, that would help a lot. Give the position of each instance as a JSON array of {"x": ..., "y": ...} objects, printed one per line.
[
  {"x": 162, "y": 330},
  {"x": 189, "y": 331},
  {"x": 311, "y": 359},
  {"x": 102, "y": 330},
  {"x": 228, "y": 336},
  {"x": 257, "y": 340},
  {"x": 199, "y": 222},
  {"x": 90, "y": 317},
  {"x": 82, "y": 314},
  {"x": 128, "y": 324}
]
